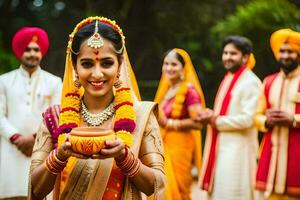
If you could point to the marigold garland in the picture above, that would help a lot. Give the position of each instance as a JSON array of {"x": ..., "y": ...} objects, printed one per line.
[
  {"x": 125, "y": 116},
  {"x": 125, "y": 110},
  {"x": 69, "y": 116},
  {"x": 179, "y": 100}
]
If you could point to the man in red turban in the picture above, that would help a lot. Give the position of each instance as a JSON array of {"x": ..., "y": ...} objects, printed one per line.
[
  {"x": 24, "y": 94},
  {"x": 278, "y": 115},
  {"x": 30, "y": 44}
]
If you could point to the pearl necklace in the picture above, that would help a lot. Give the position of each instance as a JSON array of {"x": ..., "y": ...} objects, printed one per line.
[{"x": 99, "y": 118}]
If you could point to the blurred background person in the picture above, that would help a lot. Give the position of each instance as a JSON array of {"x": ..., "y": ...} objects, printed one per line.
[
  {"x": 278, "y": 116},
  {"x": 231, "y": 144},
  {"x": 179, "y": 95},
  {"x": 24, "y": 94}
]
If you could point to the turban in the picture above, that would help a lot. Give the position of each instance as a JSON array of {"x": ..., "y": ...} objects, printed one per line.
[
  {"x": 284, "y": 36},
  {"x": 24, "y": 36},
  {"x": 251, "y": 61}
]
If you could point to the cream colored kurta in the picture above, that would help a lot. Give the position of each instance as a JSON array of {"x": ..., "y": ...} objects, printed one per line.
[
  {"x": 238, "y": 144},
  {"x": 283, "y": 96},
  {"x": 22, "y": 101}
]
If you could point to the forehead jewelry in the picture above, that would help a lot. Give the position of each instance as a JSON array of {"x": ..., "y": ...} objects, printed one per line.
[{"x": 95, "y": 41}]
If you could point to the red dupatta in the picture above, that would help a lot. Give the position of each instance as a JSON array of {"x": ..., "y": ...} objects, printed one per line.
[{"x": 207, "y": 175}]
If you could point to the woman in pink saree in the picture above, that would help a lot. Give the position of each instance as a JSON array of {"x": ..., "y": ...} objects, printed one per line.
[{"x": 180, "y": 97}]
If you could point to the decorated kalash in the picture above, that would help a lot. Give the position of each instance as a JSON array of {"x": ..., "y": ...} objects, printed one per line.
[{"x": 102, "y": 143}]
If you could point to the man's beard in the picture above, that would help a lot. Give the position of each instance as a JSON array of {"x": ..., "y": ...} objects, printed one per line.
[
  {"x": 31, "y": 64},
  {"x": 234, "y": 67},
  {"x": 288, "y": 66}
]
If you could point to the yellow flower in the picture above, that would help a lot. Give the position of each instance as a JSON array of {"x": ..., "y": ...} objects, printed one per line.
[
  {"x": 179, "y": 100},
  {"x": 126, "y": 137}
]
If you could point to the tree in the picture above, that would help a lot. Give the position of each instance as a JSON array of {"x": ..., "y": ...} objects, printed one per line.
[
  {"x": 257, "y": 20},
  {"x": 7, "y": 60}
]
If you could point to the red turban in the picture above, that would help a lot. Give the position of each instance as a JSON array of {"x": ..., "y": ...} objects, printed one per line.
[
  {"x": 29, "y": 34},
  {"x": 282, "y": 36}
]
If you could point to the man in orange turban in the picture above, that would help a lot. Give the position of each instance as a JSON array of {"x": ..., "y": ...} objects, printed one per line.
[
  {"x": 24, "y": 94},
  {"x": 278, "y": 115}
]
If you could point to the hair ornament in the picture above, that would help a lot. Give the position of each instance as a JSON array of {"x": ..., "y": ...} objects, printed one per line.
[
  {"x": 95, "y": 41},
  {"x": 89, "y": 20}
]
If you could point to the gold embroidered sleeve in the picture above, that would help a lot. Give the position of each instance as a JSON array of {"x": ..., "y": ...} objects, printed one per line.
[
  {"x": 42, "y": 147},
  {"x": 151, "y": 154},
  {"x": 151, "y": 151}
]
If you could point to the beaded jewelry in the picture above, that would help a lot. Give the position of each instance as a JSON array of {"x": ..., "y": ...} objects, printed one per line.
[{"x": 99, "y": 118}]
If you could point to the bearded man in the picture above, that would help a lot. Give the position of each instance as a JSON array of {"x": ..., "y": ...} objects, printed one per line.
[
  {"x": 228, "y": 170},
  {"x": 278, "y": 116}
]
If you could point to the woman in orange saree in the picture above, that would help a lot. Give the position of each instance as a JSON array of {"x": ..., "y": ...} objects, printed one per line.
[
  {"x": 100, "y": 90},
  {"x": 180, "y": 97}
]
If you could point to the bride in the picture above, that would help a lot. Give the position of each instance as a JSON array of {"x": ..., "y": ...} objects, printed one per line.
[{"x": 99, "y": 89}]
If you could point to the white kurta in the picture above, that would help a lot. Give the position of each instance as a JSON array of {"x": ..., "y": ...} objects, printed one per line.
[
  {"x": 238, "y": 142},
  {"x": 22, "y": 101}
]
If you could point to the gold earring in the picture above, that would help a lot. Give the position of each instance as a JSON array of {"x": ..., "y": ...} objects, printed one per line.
[
  {"x": 118, "y": 83},
  {"x": 77, "y": 84}
]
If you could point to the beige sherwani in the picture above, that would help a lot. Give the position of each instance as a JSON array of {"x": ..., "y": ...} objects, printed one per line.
[
  {"x": 22, "y": 101},
  {"x": 237, "y": 144}
]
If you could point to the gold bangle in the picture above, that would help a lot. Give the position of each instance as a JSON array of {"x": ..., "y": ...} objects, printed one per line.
[
  {"x": 170, "y": 123},
  {"x": 176, "y": 124}
]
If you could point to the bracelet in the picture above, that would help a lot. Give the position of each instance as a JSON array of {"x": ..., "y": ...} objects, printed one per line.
[
  {"x": 176, "y": 124},
  {"x": 130, "y": 166},
  {"x": 14, "y": 137},
  {"x": 53, "y": 164},
  {"x": 173, "y": 124},
  {"x": 170, "y": 123}
]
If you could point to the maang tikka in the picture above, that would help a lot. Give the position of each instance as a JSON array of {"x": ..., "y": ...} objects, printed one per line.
[{"x": 95, "y": 41}]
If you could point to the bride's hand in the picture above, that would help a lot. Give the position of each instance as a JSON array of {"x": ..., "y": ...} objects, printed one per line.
[
  {"x": 65, "y": 151},
  {"x": 113, "y": 149}
]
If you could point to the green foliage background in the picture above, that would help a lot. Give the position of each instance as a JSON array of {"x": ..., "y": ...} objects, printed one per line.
[
  {"x": 257, "y": 20},
  {"x": 7, "y": 59}
]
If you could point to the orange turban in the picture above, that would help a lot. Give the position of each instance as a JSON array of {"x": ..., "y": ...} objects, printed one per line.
[
  {"x": 26, "y": 35},
  {"x": 288, "y": 36}
]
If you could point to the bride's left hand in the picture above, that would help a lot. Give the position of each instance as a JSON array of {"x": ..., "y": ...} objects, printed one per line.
[{"x": 112, "y": 149}]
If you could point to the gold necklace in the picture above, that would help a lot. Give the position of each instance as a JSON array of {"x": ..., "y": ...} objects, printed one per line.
[{"x": 98, "y": 118}]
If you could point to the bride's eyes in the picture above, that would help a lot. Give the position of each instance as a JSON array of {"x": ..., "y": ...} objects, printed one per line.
[
  {"x": 87, "y": 64},
  {"x": 107, "y": 63}
]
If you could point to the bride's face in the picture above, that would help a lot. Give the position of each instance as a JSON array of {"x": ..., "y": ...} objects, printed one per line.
[{"x": 97, "y": 69}]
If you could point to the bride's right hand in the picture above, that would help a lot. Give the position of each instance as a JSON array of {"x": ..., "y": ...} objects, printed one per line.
[{"x": 65, "y": 151}]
